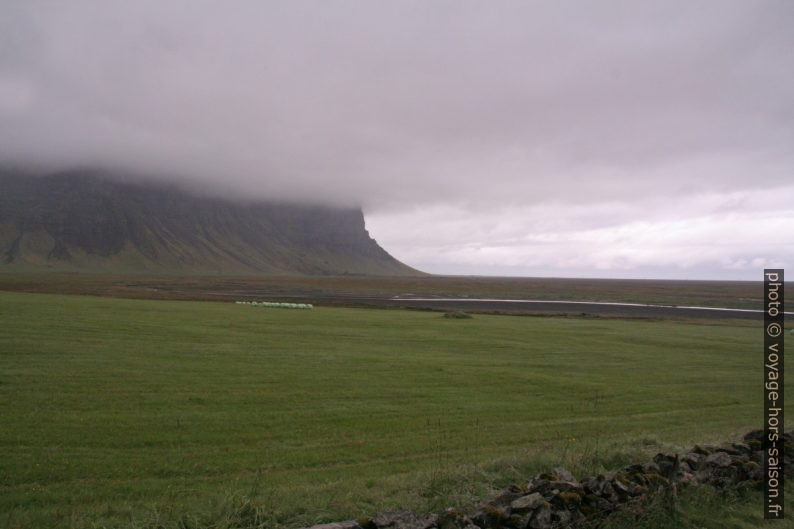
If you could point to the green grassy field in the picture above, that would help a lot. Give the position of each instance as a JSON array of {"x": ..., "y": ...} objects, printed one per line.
[{"x": 144, "y": 412}]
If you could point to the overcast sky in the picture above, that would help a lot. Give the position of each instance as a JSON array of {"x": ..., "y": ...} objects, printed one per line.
[{"x": 599, "y": 139}]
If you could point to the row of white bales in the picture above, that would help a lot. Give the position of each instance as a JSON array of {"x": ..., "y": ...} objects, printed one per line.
[{"x": 274, "y": 305}]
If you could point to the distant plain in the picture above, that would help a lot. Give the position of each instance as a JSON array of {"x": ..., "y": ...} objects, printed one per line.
[{"x": 342, "y": 289}]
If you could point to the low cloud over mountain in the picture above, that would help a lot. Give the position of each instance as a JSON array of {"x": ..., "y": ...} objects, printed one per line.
[{"x": 556, "y": 138}]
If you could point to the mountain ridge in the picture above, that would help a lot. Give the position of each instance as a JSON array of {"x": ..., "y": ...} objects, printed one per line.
[{"x": 86, "y": 221}]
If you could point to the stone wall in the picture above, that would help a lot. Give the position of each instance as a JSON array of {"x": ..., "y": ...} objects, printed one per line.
[{"x": 558, "y": 499}]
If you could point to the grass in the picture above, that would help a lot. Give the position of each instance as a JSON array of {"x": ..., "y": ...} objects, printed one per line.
[
  {"x": 701, "y": 507},
  {"x": 144, "y": 413}
]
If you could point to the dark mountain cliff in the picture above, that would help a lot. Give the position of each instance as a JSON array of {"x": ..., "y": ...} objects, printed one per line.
[{"x": 80, "y": 220}]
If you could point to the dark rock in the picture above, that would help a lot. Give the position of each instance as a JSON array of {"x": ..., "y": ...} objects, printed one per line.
[
  {"x": 519, "y": 521},
  {"x": 527, "y": 503},
  {"x": 693, "y": 459},
  {"x": 403, "y": 519},
  {"x": 633, "y": 469},
  {"x": 620, "y": 482},
  {"x": 351, "y": 524},
  {"x": 719, "y": 459},
  {"x": 704, "y": 450},
  {"x": 562, "y": 517},
  {"x": 595, "y": 485},
  {"x": 755, "y": 435},
  {"x": 651, "y": 466},
  {"x": 656, "y": 481},
  {"x": 740, "y": 448},
  {"x": 539, "y": 484},
  {"x": 541, "y": 518},
  {"x": 367, "y": 523},
  {"x": 610, "y": 493},
  {"x": 668, "y": 464},
  {"x": 563, "y": 486},
  {"x": 507, "y": 496},
  {"x": 567, "y": 501},
  {"x": 753, "y": 471},
  {"x": 564, "y": 475},
  {"x": 490, "y": 516},
  {"x": 452, "y": 519},
  {"x": 604, "y": 506},
  {"x": 685, "y": 478}
]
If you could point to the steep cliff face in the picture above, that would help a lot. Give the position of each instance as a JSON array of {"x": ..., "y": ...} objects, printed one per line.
[{"x": 84, "y": 221}]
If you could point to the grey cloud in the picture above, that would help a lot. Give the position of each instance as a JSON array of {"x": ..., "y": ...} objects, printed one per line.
[
  {"x": 484, "y": 106},
  {"x": 400, "y": 102}
]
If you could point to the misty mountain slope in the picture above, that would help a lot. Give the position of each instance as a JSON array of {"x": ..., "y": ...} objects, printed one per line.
[{"x": 82, "y": 221}]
